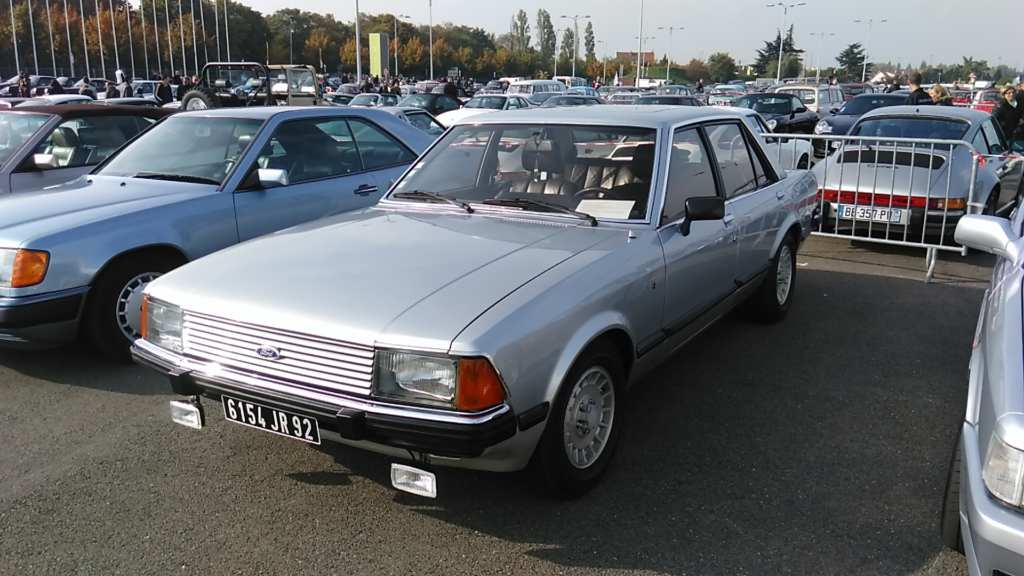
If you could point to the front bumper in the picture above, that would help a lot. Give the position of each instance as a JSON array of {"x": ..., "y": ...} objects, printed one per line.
[
  {"x": 993, "y": 534},
  {"x": 42, "y": 320},
  {"x": 490, "y": 440}
]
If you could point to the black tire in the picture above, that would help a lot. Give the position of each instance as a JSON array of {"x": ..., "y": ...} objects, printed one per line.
[
  {"x": 101, "y": 326},
  {"x": 803, "y": 163},
  {"x": 203, "y": 97},
  {"x": 950, "y": 519},
  {"x": 765, "y": 305},
  {"x": 551, "y": 461}
]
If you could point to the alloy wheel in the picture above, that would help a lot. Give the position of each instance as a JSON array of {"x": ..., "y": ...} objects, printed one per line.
[
  {"x": 128, "y": 310},
  {"x": 589, "y": 416}
]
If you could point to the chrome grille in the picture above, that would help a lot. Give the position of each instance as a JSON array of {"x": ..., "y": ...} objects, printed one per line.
[{"x": 306, "y": 360}]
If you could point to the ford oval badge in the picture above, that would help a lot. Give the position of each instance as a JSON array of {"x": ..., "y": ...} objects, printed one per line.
[{"x": 268, "y": 352}]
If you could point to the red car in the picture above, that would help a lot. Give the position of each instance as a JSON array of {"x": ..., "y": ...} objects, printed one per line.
[
  {"x": 986, "y": 100},
  {"x": 961, "y": 97}
]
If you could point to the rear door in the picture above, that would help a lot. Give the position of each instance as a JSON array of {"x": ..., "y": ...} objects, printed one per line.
[
  {"x": 302, "y": 89},
  {"x": 325, "y": 175}
]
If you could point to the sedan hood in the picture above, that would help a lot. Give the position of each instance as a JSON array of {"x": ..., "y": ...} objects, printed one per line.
[
  {"x": 410, "y": 279},
  {"x": 86, "y": 200},
  {"x": 840, "y": 123}
]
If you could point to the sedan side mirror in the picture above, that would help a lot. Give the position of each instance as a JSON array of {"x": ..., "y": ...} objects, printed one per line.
[
  {"x": 272, "y": 177},
  {"x": 702, "y": 208},
  {"x": 44, "y": 161},
  {"x": 988, "y": 234}
]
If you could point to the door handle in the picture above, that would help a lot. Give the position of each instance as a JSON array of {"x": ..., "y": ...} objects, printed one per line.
[
  {"x": 780, "y": 193},
  {"x": 728, "y": 219},
  {"x": 365, "y": 190}
]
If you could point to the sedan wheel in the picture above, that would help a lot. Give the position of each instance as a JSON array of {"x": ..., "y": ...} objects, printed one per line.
[
  {"x": 771, "y": 301},
  {"x": 589, "y": 417},
  {"x": 783, "y": 274},
  {"x": 129, "y": 305}
]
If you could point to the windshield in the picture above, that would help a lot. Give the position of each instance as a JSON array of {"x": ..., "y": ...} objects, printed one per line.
[
  {"x": 863, "y": 104},
  {"x": 15, "y": 130},
  {"x": 364, "y": 100},
  {"x": 933, "y": 128},
  {"x": 767, "y": 104},
  {"x": 605, "y": 172},
  {"x": 214, "y": 145},
  {"x": 489, "y": 102},
  {"x": 417, "y": 100}
]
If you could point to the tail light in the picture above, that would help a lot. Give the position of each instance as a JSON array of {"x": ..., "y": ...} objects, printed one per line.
[{"x": 890, "y": 200}]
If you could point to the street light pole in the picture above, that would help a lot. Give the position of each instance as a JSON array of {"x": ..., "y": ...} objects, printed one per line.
[
  {"x": 291, "y": 32},
  {"x": 821, "y": 45},
  {"x": 397, "y": 16},
  {"x": 430, "y": 32},
  {"x": 575, "y": 37},
  {"x": 668, "y": 54},
  {"x": 604, "y": 61},
  {"x": 359, "y": 57},
  {"x": 640, "y": 47},
  {"x": 782, "y": 30},
  {"x": 870, "y": 22}
]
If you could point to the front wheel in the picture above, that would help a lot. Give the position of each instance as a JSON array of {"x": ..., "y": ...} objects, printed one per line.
[
  {"x": 772, "y": 300},
  {"x": 952, "y": 536},
  {"x": 113, "y": 312},
  {"x": 585, "y": 424},
  {"x": 803, "y": 163}
]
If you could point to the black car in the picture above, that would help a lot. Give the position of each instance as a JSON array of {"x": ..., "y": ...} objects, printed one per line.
[
  {"x": 571, "y": 100},
  {"x": 839, "y": 122},
  {"x": 784, "y": 113},
  {"x": 669, "y": 100},
  {"x": 436, "y": 104}
]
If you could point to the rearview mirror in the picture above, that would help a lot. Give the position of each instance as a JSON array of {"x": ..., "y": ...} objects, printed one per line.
[
  {"x": 272, "y": 177},
  {"x": 988, "y": 234},
  {"x": 44, "y": 161},
  {"x": 702, "y": 208}
]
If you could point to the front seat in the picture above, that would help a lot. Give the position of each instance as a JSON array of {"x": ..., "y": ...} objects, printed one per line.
[
  {"x": 543, "y": 159},
  {"x": 65, "y": 147}
]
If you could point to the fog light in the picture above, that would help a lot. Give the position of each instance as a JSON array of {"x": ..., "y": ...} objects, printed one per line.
[
  {"x": 413, "y": 480},
  {"x": 187, "y": 414}
]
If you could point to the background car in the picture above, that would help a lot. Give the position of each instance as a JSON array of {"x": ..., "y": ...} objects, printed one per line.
[
  {"x": 371, "y": 100},
  {"x": 436, "y": 104},
  {"x": 37, "y": 84},
  {"x": 623, "y": 98},
  {"x": 786, "y": 153},
  {"x": 986, "y": 100},
  {"x": 820, "y": 99},
  {"x": 839, "y": 122},
  {"x": 674, "y": 89},
  {"x": 668, "y": 100},
  {"x": 484, "y": 103},
  {"x": 338, "y": 98},
  {"x": 724, "y": 94},
  {"x": 55, "y": 100},
  {"x": 418, "y": 117},
  {"x": 563, "y": 100},
  {"x": 853, "y": 89},
  {"x": 145, "y": 101},
  {"x": 152, "y": 206},
  {"x": 583, "y": 91},
  {"x": 48, "y": 145},
  {"x": 784, "y": 113}
]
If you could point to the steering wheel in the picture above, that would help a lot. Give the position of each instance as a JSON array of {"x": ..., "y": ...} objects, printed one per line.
[{"x": 596, "y": 190}]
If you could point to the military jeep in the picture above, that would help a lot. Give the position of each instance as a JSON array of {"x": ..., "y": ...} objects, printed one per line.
[{"x": 240, "y": 84}]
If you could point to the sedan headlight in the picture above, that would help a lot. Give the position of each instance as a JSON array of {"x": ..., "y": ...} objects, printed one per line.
[
  {"x": 161, "y": 324},
  {"x": 20, "y": 268},
  {"x": 772, "y": 124},
  {"x": 468, "y": 384},
  {"x": 822, "y": 127},
  {"x": 1003, "y": 471}
]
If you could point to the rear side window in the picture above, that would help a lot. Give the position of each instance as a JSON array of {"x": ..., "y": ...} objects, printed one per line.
[
  {"x": 734, "y": 163},
  {"x": 994, "y": 135},
  {"x": 330, "y": 153},
  {"x": 88, "y": 141},
  {"x": 690, "y": 174},
  {"x": 377, "y": 148}
]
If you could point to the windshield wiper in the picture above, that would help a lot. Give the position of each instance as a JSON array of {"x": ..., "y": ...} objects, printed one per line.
[
  {"x": 545, "y": 206},
  {"x": 176, "y": 178},
  {"x": 432, "y": 197}
]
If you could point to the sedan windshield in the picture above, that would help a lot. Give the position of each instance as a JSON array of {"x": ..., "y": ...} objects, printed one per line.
[
  {"x": 489, "y": 102},
  {"x": 15, "y": 130},
  {"x": 601, "y": 171},
  {"x": 364, "y": 100},
  {"x": 863, "y": 104},
  {"x": 766, "y": 104},
  {"x": 213, "y": 147}
]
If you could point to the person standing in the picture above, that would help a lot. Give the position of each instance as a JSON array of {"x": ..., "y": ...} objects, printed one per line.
[
  {"x": 940, "y": 96},
  {"x": 917, "y": 96},
  {"x": 700, "y": 85},
  {"x": 87, "y": 89},
  {"x": 55, "y": 87},
  {"x": 163, "y": 91},
  {"x": 124, "y": 88},
  {"x": 111, "y": 91},
  {"x": 1008, "y": 114}
]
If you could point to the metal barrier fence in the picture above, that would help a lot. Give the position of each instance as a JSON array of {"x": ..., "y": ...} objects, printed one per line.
[{"x": 894, "y": 191}]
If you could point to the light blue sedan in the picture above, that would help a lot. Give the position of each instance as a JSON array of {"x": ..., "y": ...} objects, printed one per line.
[{"x": 74, "y": 259}]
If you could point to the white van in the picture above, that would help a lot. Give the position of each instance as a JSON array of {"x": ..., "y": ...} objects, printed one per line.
[
  {"x": 530, "y": 87},
  {"x": 818, "y": 99}
]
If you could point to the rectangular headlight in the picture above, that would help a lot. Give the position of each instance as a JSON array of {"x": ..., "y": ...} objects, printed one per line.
[
  {"x": 161, "y": 324},
  {"x": 1003, "y": 471},
  {"x": 416, "y": 377}
]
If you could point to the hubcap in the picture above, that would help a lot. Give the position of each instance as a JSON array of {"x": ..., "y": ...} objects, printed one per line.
[
  {"x": 128, "y": 311},
  {"x": 196, "y": 104},
  {"x": 784, "y": 274},
  {"x": 588, "y": 417}
]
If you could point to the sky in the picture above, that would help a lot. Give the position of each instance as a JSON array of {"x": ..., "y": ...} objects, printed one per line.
[{"x": 917, "y": 30}]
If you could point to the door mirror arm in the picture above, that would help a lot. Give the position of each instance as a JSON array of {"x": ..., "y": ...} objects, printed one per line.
[{"x": 701, "y": 208}]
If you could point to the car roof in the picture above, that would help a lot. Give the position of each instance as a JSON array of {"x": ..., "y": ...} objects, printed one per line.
[
  {"x": 87, "y": 110},
  {"x": 928, "y": 111},
  {"x": 266, "y": 112},
  {"x": 640, "y": 116}
]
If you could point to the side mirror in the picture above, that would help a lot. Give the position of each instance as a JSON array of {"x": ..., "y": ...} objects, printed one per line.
[
  {"x": 272, "y": 177},
  {"x": 44, "y": 161},
  {"x": 834, "y": 111},
  {"x": 702, "y": 208},
  {"x": 988, "y": 234}
]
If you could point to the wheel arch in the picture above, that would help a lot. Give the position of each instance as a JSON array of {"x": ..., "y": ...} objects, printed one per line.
[
  {"x": 611, "y": 328},
  {"x": 165, "y": 250}
]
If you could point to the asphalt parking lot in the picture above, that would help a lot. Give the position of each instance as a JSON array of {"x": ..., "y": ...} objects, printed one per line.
[{"x": 816, "y": 446}]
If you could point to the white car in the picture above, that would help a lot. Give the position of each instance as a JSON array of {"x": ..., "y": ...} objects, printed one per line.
[
  {"x": 788, "y": 154},
  {"x": 484, "y": 103}
]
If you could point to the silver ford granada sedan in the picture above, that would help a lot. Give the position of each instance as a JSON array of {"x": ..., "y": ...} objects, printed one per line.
[
  {"x": 494, "y": 307},
  {"x": 983, "y": 513}
]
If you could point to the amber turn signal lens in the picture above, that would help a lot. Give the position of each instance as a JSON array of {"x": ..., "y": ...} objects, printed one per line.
[
  {"x": 144, "y": 318},
  {"x": 29, "y": 268},
  {"x": 479, "y": 386}
]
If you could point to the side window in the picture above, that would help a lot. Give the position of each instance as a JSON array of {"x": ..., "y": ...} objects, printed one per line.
[
  {"x": 690, "y": 174},
  {"x": 734, "y": 163},
  {"x": 88, "y": 141},
  {"x": 994, "y": 135},
  {"x": 425, "y": 123},
  {"x": 378, "y": 148},
  {"x": 762, "y": 171},
  {"x": 311, "y": 149},
  {"x": 979, "y": 142},
  {"x": 796, "y": 104},
  {"x": 301, "y": 81}
]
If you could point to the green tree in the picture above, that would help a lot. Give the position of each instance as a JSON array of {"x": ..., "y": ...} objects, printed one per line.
[
  {"x": 589, "y": 43},
  {"x": 546, "y": 40},
  {"x": 851, "y": 60},
  {"x": 721, "y": 67},
  {"x": 520, "y": 32},
  {"x": 568, "y": 42},
  {"x": 696, "y": 70},
  {"x": 769, "y": 55}
]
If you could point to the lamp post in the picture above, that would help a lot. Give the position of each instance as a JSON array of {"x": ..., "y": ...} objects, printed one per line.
[
  {"x": 821, "y": 45},
  {"x": 291, "y": 31},
  {"x": 397, "y": 16},
  {"x": 575, "y": 37},
  {"x": 14, "y": 39},
  {"x": 640, "y": 63},
  {"x": 359, "y": 57},
  {"x": 870, "y": 23},
  {"x": 640, "y": 47},
  {"x": 668, "y": 55},
  {"x": 604, "y": 61},
  {"x": 430, "y": 32},
  {"x": 782, "y": 40}
]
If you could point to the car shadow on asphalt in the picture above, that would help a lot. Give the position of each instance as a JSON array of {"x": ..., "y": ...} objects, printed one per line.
[
  {"x": 819, "y": 444},
  {"x": 79, "y": 365}
]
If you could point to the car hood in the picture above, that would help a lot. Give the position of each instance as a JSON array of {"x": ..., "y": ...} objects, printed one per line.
[
  {"x": 453, "y": 116},
  {"x": 85, "y": 200},
  {"x": 841, "y": 123},
  {"x": 412, "y": 279}
]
